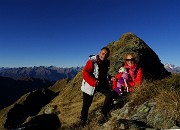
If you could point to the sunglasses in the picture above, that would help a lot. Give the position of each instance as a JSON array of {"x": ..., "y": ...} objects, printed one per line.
[{"x": 132, "y": 59}]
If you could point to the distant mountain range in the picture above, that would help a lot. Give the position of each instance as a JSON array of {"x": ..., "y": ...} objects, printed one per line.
[
  {"x": 14, "y": 82},
  {"x": 50, "y": 73},
  {"x": 172, "y": 68},
  {"x": 53, "y": 73}
]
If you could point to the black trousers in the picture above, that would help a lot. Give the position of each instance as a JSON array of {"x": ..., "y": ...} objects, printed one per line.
[{"x": 87, "y": 101}]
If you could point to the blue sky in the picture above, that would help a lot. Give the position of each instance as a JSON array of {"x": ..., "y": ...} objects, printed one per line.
[{"x": 64, "y": 33}]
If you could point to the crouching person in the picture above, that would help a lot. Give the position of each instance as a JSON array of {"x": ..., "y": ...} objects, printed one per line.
[{"x": 128, "y": 77}]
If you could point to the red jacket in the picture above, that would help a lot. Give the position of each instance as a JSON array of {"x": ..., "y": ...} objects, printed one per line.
[
  {"x": 136, "y": 76},
  {"x": 102, "y": 72}
]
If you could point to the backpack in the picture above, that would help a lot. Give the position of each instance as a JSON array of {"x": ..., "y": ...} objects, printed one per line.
[{"x": 85, "y": 87}]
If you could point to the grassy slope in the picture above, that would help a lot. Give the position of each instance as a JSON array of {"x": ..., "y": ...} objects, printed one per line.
[{"x": 69, "y": 100}]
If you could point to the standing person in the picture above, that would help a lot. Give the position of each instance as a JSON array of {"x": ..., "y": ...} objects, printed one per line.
[
  {"x": 133, "y": 78},
  {"x": 95, "y": 79}
]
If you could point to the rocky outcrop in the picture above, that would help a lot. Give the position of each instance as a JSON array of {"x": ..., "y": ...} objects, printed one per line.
[
  {"x": 143, "y": 117},
  {"x": 31, "y": 106}
]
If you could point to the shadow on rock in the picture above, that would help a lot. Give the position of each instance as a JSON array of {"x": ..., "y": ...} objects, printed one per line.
[
  {"x": 30, "y": 107},
  {"x": 41, "y": 122},
  {"x": 132, "y": 124}
]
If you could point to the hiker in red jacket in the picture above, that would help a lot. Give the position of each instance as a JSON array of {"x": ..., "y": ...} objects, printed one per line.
[
  {"x": 95, "y": 79},
  {"x": 134, "y": 75}
]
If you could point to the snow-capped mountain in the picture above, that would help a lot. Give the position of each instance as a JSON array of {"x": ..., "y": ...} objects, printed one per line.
[{"x": 172, "y": 68}]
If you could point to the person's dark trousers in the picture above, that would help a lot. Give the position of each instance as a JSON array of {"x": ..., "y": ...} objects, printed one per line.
[
  {"x": 87, "y": 101},
  {"x": 107, "y": 102}
]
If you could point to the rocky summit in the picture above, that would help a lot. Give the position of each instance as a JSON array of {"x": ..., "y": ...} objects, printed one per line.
[{"x": 148, "y": 59}]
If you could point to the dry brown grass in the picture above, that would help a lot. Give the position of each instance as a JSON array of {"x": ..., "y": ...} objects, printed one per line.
[
  {"x": 57, "y": 88},
  {"x": 157, "y": 91},
  {"x": 168, "y": 100},
  {"x": 144, "y": 92},
  {"x": 3, "y": 114},
  {"x": 69, "y": 102},
  {"x": 70, "y": 110},
  {"x": 168, "y": 103},
  {"x": 165, "y": 92}
]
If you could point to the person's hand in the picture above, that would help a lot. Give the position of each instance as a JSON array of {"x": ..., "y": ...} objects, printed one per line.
[
  {"x": 125, "y": 76},
  {"x": 113, "y": 79}
]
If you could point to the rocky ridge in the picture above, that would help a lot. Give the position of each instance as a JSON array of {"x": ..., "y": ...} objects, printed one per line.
[{"x": 67, "y": 103}]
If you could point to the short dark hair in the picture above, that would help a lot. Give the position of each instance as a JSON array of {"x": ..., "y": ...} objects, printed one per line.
[{"x": 106, "y": 48}]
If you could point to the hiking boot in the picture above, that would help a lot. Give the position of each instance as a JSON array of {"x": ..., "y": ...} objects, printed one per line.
[
  {"x": 83, "y": 123},
  {"x": 103, "y": 118}
]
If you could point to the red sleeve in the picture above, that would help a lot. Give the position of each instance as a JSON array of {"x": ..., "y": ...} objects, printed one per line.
[
  {"x": 87, "y": 73},
  {"x": 138, "y": 80},
  {"x": 114, "y": 83},
  {"x": 139, "y": 77},
  {"x": 118, "y": 76}
]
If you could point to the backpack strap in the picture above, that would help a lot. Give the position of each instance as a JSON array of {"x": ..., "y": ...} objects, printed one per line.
[{"x": 93, "y": 58}]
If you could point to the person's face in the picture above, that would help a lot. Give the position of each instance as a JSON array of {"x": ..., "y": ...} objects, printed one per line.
[
  {"x": 103, "y": 54},
  {"x": 130, "y": 60}
]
